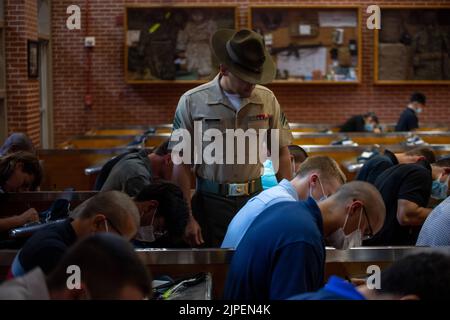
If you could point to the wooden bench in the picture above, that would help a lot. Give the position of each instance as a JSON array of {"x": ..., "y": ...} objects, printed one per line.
[
  {"x": 369, "y": 138},
  {"x": 129, "y": 130},
  {"x": 313, "y": 127},
  {"x": 79, "y": 168},
  {"x": 115, "y": 132},
  {"x": 304, "y": 134},
  {"x": 154, "y": 140},
  {"x": 295, "y": 127},
  {"x": 97, "y": 142},
  {"x": 435, "y": 137},
  {"x": 307, "y": 138},
  {"x": 66, "y": 168},
  {"x": 348, "y": 264},
  {"x": 112, "y": 141}
]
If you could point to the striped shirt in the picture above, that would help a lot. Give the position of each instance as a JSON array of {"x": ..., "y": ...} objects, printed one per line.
[{"x": 436, "y": 229}]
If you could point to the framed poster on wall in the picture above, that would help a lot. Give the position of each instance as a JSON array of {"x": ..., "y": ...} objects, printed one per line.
[
  {"x": 33, "y": 59},
  {"x": 171, "y": 43},
  {"x": 317, "y": 44},
  {"x": 413, "y": 46}
]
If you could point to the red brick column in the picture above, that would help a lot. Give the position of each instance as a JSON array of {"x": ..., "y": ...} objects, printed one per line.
[{"x": 22, "y": 92}]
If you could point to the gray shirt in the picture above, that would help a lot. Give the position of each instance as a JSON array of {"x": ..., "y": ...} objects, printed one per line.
[
  {"x": 130, "y": 174},
  {"x": 31, "y": 286}
]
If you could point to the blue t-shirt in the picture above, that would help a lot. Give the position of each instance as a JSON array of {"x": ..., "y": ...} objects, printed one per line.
[
  {"x": 281, "y": 255},
  {"x": 335, "y": 289},
  {"x": 237, "y": 228}
]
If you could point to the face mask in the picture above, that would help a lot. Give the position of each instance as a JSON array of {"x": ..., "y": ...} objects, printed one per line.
[
  {"x": 340, "y": 240},
  {"x": 419, "y": 110},
  {"x": 323, "y": 192},
  {"x": 147, "y": 233},
  {"x": 368, "y": 127},
  {"x": 439, "y": 189}
]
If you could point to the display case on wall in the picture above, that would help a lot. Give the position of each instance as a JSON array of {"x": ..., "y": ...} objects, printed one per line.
[
  {"x": 413, "y": 46},
  {"x": 320, "y": 44},
  {"x": 171, "y": 43}
]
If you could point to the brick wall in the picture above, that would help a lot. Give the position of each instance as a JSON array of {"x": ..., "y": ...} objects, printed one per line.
[
  {"x": 116, "y": 102},
  {"x": 22, "y": 92}
]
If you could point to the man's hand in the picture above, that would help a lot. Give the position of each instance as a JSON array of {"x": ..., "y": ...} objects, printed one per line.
[
  {"x": 440, "y": 173},
  {"x": 445, "y": 174},
  {"x": 193, "y": 233},
  {"x": 181, "y": 175},
  {"x": 30, "y": 215}
]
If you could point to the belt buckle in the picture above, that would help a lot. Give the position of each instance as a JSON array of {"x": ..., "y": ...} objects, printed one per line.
[{"x": 238, "y": 189}]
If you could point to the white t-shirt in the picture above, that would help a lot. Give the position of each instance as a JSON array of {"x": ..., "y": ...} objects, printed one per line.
[{"x": 235, "y": 100}]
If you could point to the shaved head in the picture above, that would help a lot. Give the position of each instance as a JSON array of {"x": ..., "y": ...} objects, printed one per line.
[
  {"x": 370, "y": 198},
  {"x": 117, "y": 207}
]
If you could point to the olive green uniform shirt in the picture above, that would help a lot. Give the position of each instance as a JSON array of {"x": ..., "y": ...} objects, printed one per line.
[{"x": 208, "y": 105}]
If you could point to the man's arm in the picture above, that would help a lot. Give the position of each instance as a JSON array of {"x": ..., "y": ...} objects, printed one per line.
[
  {"x": 182, "y": 177},
  {"x": 413, "y": 197},
  {"x": 410, "y": 213},
  {"x": 284, "y": 171},
  {"x": 181, "y": 174},
  {"x": 8, "y": 223},
  {"x": 281, "y": 123}
]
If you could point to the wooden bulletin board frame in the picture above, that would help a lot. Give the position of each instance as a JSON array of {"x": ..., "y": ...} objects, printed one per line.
[
  {"x": 33, "y": 59},
  {"x": 359, "y": 38},
  {"x": 376, "y": 46},
  {"x": 185, "y": 8}
]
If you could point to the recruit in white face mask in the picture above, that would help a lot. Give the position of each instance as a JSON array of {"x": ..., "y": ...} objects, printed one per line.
[
  {"x": 324, "y": 196},
  {"x": 147, "y": 233},
  {"x": 340, "y": 240}
]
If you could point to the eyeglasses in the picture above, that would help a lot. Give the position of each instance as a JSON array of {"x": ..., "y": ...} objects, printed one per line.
[
  {"x": 370, "y": 234},
  {"x": 114, "y": 227}
]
